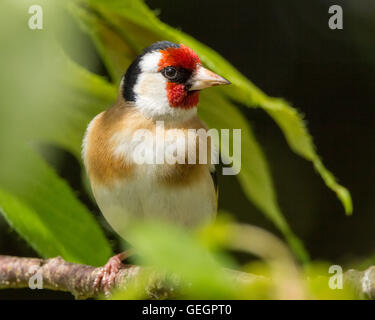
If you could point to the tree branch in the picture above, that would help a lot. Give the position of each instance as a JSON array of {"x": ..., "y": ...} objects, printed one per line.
[{"x": 57, "y": 274}]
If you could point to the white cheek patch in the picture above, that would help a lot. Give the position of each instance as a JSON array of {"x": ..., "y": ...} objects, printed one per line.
[
  {"x": 150, "y": 89},
  {"x": 151, "y": 94},
  {"x": 150, "y": 62}
]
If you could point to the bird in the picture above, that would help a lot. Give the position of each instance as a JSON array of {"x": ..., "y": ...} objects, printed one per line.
[{"x": 162, "y": 85}]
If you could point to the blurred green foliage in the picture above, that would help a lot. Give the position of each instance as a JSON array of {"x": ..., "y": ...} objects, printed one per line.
[{"x": 47, "y": 98}]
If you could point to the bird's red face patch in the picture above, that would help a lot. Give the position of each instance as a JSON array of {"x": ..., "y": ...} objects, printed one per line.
[
  {"x": 186, "y": 58},
  {"x": 183, "y": 57},
  {"x": 179, "y": 97}
]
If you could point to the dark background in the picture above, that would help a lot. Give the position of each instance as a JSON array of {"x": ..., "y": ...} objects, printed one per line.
[{"x": 287, "y": 49}]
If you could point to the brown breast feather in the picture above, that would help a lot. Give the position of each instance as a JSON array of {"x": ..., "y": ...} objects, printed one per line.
[{"x": 105, "y": 168}]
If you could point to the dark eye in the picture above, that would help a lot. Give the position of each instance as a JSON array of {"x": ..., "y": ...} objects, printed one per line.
[
  {"x": 176, "y": 75},
  {"x": 170, "y": 73}
]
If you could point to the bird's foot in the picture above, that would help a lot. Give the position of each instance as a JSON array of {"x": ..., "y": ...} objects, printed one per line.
[{"x": 106, "y": 276}]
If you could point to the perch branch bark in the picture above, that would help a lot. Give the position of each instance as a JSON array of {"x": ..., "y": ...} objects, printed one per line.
[{"x": 78, "y": 279}]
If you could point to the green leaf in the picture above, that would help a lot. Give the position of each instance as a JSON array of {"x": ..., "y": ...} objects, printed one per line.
[
  {"x": 301, "y": 143},
  {"x": 201, "y": 271},
  {"x": 43, "y": 209},
  {"x": 39, "y": 107},
  {"x": 28, "y": 224},
  {"x": 116, "y": 53},
  {"x": 255, "y": 176},
  {"x": 84, "y": 95}
]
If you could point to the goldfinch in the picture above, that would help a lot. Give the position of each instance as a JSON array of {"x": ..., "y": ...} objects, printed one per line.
[{"x": 161, "y": 86}]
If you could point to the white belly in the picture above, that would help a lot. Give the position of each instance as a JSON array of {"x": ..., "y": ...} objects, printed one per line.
[{"x": 141, "y": 198}]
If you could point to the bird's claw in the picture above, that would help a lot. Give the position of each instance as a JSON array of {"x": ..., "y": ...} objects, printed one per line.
[{"x": 105, "y": 278}]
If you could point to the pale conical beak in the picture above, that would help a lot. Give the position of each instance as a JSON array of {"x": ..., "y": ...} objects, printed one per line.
[{"x": 204, "y": 78}]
